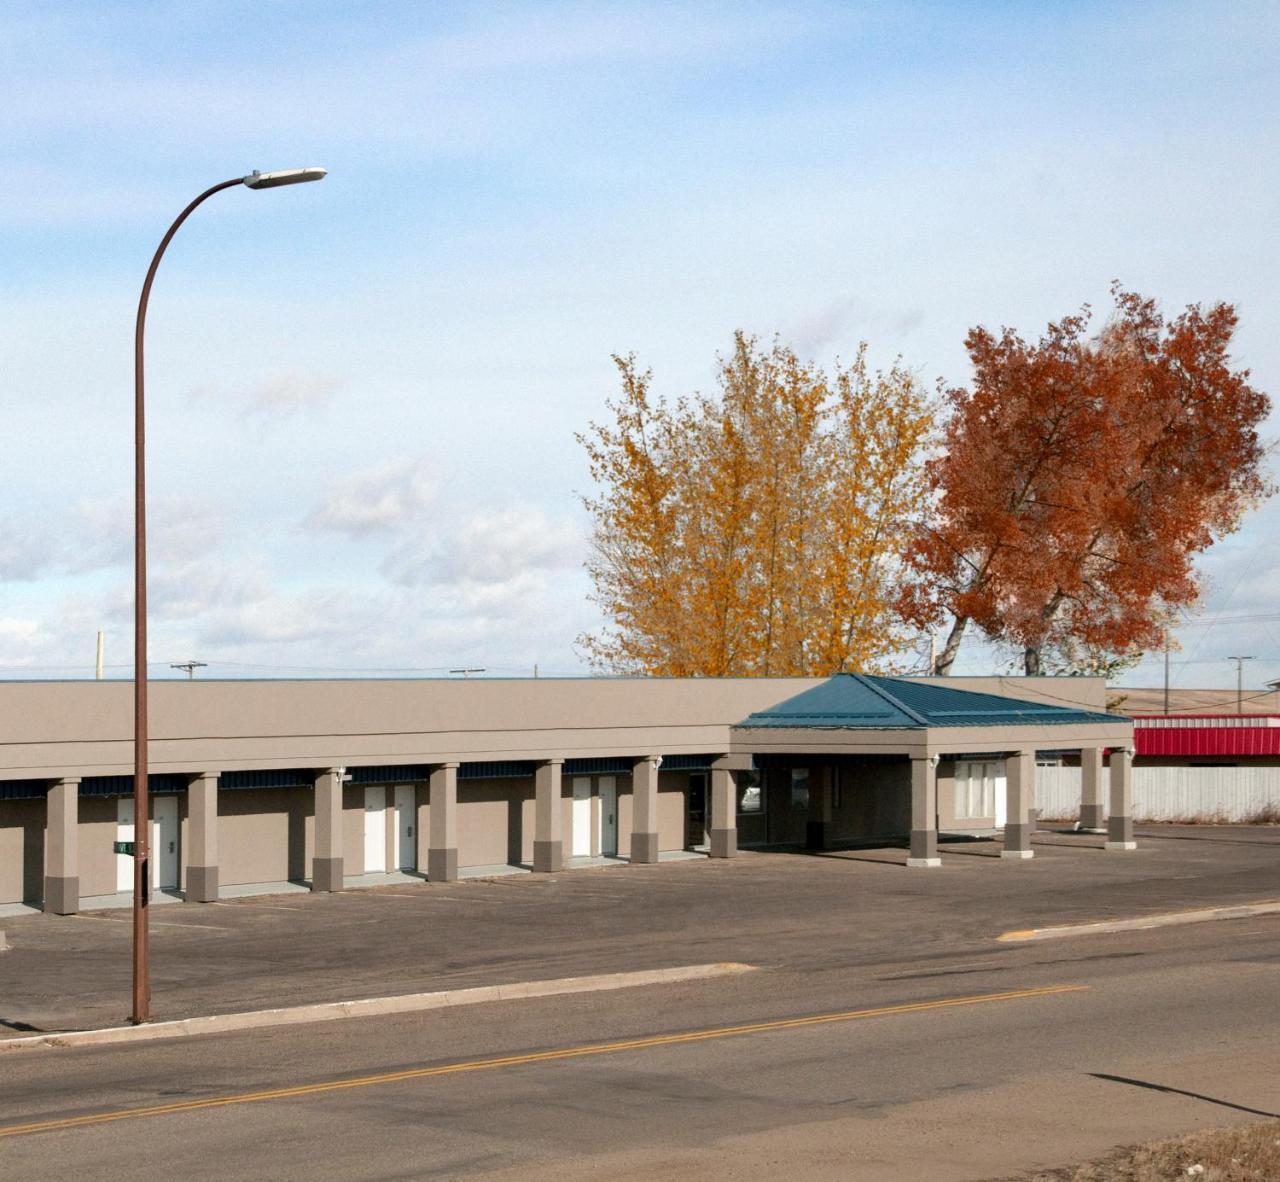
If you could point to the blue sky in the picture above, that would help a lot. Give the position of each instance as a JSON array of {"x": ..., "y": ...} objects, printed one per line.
[{"x": 363, "y": 393}]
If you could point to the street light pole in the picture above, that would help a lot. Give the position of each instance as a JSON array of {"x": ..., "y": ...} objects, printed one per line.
[{"x": 141, "y": 1011}]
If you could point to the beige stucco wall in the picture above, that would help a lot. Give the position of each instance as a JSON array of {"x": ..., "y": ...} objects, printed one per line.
[
  {"x": 1089, "y": 693},
  {"x": 99, "y": 824},
  {"x": 491, "y": 820},
  {"x": 21, "y": 851},
  {"x": 672, "y": 807},
  {"x": 265, "y": 834},
  {"x": 85, "y": 728}
]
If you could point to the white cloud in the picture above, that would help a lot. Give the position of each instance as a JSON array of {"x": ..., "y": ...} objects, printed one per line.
[
  {"x": 844, "y": 322},
  {"x": 281, "y": 395},
  {"x": 289, "y": 393},
  {"x": 378, "y": 499},
  {"x": 99, "y": 534},
  {"x": 24, "y": 553},
  {"x": 492, "y": 547},
  {"x": 19, "y": 633}
]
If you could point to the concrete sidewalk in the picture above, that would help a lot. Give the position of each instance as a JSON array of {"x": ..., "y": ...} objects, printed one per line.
[{"x": 832, "y": 909}]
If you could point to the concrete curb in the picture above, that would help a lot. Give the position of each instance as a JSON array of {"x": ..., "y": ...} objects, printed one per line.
[
  {"x": 1165, "y": 919},
  {"x": 371, "y": 1007}
]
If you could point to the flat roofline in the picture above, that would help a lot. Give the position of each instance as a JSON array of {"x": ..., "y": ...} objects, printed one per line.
[{"x": 178, "y": 680}]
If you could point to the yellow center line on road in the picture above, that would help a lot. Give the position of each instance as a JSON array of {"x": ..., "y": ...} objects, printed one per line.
[{"x": 607, "y": 1048}]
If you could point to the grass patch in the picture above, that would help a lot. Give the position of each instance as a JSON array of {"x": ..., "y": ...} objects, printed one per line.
[{"x": 1246, "y": 1153}]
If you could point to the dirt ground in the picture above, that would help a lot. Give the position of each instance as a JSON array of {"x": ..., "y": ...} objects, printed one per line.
[{"x": 1245, "y": 1152}]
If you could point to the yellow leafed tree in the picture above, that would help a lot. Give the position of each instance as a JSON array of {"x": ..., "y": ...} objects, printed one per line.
[{"x": 755, "y": 532}]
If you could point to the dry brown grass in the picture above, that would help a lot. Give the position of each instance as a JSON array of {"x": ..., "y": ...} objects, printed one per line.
[
  {"x": 1267, "y": 814},
  {"x": 1247, "y": 1153}
]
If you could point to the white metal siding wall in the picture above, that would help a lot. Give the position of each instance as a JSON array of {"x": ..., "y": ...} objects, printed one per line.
[
  {"x": 1168, "y": 793},
  {"x": 1058, "y": 792}
]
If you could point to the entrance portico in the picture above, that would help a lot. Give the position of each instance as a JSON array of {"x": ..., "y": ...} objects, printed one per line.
[{"x": 882, "y": 739}]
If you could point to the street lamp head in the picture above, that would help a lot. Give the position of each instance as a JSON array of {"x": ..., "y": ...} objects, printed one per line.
[{"x": 285, "y": 176}]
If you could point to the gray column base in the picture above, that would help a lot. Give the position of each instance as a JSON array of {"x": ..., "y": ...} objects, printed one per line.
[
  {"x": 1021, "y": 855},
  {"x": 644, "y": 847},
  {"x": 815, "y": 835},
  {"x": 1120, "y": 830},
  {"x": 548, "y": 856},
  {"x": 326, "y": 874},
  {"x": 1017, "y": 839},
  {"x": 202, "y": 884},
  {"x": 919, "y": 862},
  {"x": 1091, "y": 817},
  {"x": 724, "y": 843},
  {"x": 62, "y": 895},
  {"x": 924, "y": 845},
  {"x": 1120, "y": 845},
  {"x": 442, "y": 865}
]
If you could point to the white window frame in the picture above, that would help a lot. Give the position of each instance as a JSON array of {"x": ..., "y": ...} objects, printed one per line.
[{"x": 978, "y": 786}]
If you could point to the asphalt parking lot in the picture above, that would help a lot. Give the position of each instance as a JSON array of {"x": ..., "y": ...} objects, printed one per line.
[{"x": 836, "y": 909}]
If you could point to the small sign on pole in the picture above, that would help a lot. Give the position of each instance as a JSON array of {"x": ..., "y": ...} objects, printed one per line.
[{"x": 123, "y": 847}]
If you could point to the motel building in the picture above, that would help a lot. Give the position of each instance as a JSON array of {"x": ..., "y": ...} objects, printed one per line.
[{"x": 265, "y": 786}]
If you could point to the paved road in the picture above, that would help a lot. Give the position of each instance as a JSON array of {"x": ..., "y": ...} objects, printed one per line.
[
  {"x": 935, "y": 1092},
  {"x": 773, "y": 909}
]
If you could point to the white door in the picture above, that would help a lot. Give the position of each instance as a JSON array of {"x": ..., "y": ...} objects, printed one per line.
[
  {"x": 581, "y": 838},
  {"x": 164, "y": 843},
  {"x": 375, "y": 828},
  {"x": 404, "y": 839},
  {"x": 608, "y": 816}
]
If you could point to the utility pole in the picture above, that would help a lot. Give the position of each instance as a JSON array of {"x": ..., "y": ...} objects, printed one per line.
[
  {"x": 190, "y": 667},
  {"x": 97, "y": 664},
  {"x": 466, "y": 672},
  {"x": 1239, "y": 681}
]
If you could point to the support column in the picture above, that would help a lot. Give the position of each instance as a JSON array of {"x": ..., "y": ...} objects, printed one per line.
[
  {"x": 1092, "y": 813},
  {"x": 202, "y": 838},
  {"x": 548, "y": 819},
  {"x": 422, "y": 822},
  {"x": 326, "y": 864},
  {"x": 818, "y": 829},
  {"x": 1020, "y": 783},
  {"x": 62, "y": 847},
  {"x": 724, "y": 811},
  {"x": 442, "y": 851},
  {"x": 644, "y": 809},
  {"x": 924, "y": 812},
  {"x": 1120, "y": 823}
]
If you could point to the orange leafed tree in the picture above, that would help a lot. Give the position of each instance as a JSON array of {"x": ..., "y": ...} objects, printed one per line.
[
  {"x": 755, "y": 532},
  {"x": 1081, "y": 477}
]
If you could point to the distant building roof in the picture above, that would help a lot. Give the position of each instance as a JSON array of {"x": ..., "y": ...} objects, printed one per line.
[
  {"x": 1151, "y": 700},
  {"x": 1207, "y": 734},
  {"x": 861, "y": 701}
]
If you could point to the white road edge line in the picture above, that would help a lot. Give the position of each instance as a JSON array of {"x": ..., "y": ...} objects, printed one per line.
[
  {"x": 371, "y": 1007},
  {"x": 1164, "y": 919}
]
